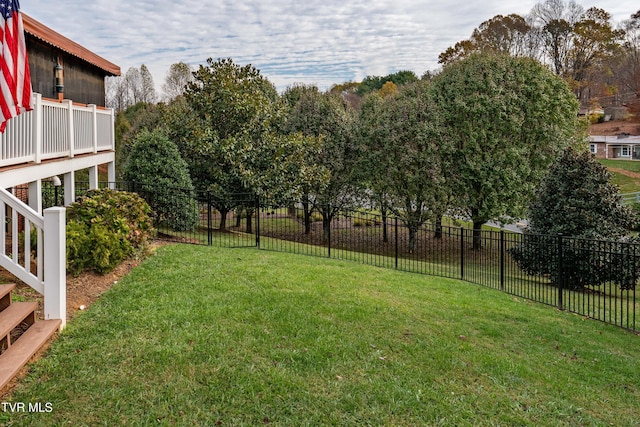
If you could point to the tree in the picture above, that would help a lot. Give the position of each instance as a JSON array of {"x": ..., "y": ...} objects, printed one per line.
[
  {"x": 135, "y": 86},
  {"x": 595, "y": 43},
  {"x": 388, "y": 89},
  {"x": 555, "y": 19},
  {"x": 116, "y": 93},
  {"x": 147, "y": 86},
  {"x": 401, "y": 150},
  {"x": 506, "y": 119},
  {"x": 375, "y": 83},
  {"x": 577, "y": 200},
  {"x": 224, "y": 102},
  {"x": 175, "y": 83},
  {"x": 234, "y": 137},
  {"x": 501, "y": 34},
  {"x": 627, "y": 70},
  {"x": 330, "y": 119},
  {"x": 163, "y": 180}
]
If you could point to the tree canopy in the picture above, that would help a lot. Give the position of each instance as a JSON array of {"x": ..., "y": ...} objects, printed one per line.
[
  {"x": 577, "y": 200},
  {"x": 506, "y": 119}
]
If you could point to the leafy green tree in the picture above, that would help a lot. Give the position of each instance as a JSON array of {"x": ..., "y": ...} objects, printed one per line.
[
  {"x": 231, "y": 128},
  {"x": 224, "y": 102},
  {"x": 374, "y": 83},
  {"x": 163, "y": 180},
  {"x": 130, "y": 122},
  {"x": 401, "y": 138},
  {"x": 506, "y": 119},
  {"x": 331, "y": 120},
  {"x": 577, "y": 200}
]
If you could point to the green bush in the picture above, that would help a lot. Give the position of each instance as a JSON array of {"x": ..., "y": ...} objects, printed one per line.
[
  {"x": 104, "y": 228},
  {"x": 155, "y": 162}
]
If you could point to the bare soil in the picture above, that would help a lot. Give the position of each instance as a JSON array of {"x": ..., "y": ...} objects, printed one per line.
[{"x": 629, "y": 126}]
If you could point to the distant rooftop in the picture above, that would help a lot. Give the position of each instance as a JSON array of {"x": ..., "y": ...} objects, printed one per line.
[{"x": 51, "y": 37}]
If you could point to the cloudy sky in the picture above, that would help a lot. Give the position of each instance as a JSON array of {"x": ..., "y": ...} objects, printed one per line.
[{"x": 308, "y": 41}]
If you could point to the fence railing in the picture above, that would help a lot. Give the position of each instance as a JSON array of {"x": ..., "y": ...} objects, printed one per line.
[
  {"x": 596, "y": 279},
  {"x": 32, "y": 248},
  {"x": 630, "y": 198},
  {"x": 54, "y": 130}
]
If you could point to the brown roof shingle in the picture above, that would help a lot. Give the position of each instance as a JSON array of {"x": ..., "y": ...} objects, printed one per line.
[{"x": 49, "y": 36}]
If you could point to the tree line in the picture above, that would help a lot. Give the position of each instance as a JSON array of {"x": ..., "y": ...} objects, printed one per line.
[
  {"x": 477, "y": 140},
  {"x": 584, "y": 47}
]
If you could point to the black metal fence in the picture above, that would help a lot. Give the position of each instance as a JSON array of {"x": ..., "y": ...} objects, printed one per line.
[{"x": 595, "y": 279}]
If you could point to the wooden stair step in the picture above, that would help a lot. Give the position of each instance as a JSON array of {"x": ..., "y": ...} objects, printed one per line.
[
  {"x": 15, "y": 314},
  {"x": 25, "y": 347},
  {"x": 5, "y": 295}
]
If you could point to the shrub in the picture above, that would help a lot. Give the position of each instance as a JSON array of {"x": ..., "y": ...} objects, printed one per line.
[
  {"x": 155, "y": 161},
  {"x": 577, "y": 200},
  {"x": 104, "y": 228}
]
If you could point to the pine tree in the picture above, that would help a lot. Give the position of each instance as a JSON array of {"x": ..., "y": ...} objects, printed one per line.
[{"x": 578, "y": 210}]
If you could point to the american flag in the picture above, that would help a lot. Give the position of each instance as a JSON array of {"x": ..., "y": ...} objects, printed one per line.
[{"x": 15, "y": 80}]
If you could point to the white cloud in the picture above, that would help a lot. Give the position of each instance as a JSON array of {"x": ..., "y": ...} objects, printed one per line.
[{"x": 312, "y": 42}]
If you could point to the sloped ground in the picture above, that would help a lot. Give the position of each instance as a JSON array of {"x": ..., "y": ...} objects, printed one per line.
[{"x": 630, "y": 126}]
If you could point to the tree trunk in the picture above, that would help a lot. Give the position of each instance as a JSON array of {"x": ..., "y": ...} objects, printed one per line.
[
  {"x": 307, "y": 215},
  {"x": 477, "y": 235},
  {"x": 438, "y": 232},
  {"x": 249, "y": 221},
  {"x": 223, "y": 218},
  {"x": 238, "y": 218},
  {"x": 413, "y": 233}
]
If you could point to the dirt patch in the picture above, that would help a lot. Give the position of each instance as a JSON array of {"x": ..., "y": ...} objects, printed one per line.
[{"x": 624, "y": 172}]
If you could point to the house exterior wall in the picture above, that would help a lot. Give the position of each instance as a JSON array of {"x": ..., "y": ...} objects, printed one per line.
[
  {"x": 82, "y": 82},
  {"x": 598, "y": 149}
]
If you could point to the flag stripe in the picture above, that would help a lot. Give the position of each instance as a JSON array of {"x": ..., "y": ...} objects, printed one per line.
[{"x": 15, "y": 78}]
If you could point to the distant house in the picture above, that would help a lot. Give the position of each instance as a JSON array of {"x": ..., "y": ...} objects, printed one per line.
[{"x": 621, "y": 146}]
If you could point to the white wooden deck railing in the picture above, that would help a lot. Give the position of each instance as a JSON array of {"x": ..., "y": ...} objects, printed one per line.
[
  {"x": 55, "y": 130},
  {"x": 44, "y": 273}
]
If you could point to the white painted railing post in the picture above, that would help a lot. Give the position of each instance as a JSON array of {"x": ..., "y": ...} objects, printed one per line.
[
  {"x": 38, "y": 111},
  {"x": 94, "y": 126},
  {"x": 71, "y": 134},
  {"x": 111, "y": 175},
  {"x": 55, "y": 268}
]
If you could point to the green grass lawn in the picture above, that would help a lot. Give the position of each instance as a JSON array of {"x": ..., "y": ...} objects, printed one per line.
[
  {"x": 626, "y": 183},
  {"x": 206, "y": 336}
]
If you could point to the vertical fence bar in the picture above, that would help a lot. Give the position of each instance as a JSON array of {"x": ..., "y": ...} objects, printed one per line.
[
  {"x": 257, "y": 221},
  {"x": 461, "y": 253},
  {"x": 328, "y": 222},
  {"x": 395, "y": 225},
  {"x": 502, "y": 260},
  {"x": 209, "y": 221},
  {"x": 560, "y": 272}
]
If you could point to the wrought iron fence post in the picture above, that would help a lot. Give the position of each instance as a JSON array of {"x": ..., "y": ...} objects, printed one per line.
[
  {"x": 461, "y": 253},
  {"x": 209, "y": 220},
  {"x": 560, "y": 272},
  {"x": 328, "y": 221},
  {"x": 396, "y": 240},
  {"x": 257, "y": 221},
  {"x": 502, "y": 260}
]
